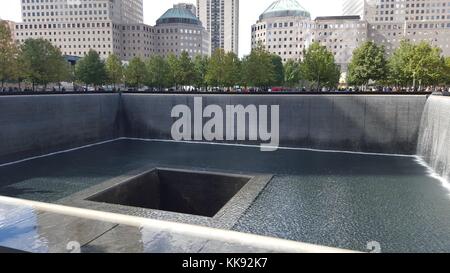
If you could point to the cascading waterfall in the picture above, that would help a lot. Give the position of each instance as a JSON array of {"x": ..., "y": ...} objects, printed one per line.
[{"x": 434, "y": 136}]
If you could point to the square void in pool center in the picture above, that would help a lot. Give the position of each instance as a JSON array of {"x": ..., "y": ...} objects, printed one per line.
[{"x": 195, "y": 193}]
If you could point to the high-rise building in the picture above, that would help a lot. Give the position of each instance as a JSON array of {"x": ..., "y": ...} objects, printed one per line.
[
  {"x": 354, "y": 7},
  {"x": 221, "y": 19},
  {"x": 118, "y": 11},
  {"x": 178, "y": 30},
  {"x": 415, "y": 20},
  {"x": 283, "y": 29},
  {"x": 108, "y": 27},
  {"x": 77, "y": 26},
  {"x": 286, "y": 28},
  {"x": 191, "y": 7}
]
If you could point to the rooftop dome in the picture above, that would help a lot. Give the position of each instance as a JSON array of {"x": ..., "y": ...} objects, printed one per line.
[
  {"x": 285, "y": 8},
  {"x": 178, "y": 15}
]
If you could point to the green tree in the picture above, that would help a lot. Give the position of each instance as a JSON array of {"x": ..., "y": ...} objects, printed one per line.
[
  {"x": 224, "y": 69},
  {"x": 175, "y": 70},
  {"x": 446, "y": 72},
  {"x": 200, "y": 70},
  {"x": 258, "y": 69},
  {"x": 215, "y": 73},
  {"x": 91, "y": 70},
  {"x": 319, "y": 66},
  {"x": 114, "y": 69},
  {"x": 186, "y": 74},
  {"x": 19, "y": 69},
  {"x": 368, "y": 64},
  {"x": 158, "y": 72},
  {"x": 231, "y": 68},
  {"x": 64, "y": 74},
  {"x": 292, "y": 74},
  {"x": 135, "y": 72},
  {"x": 416, "y": 64},
  {"x": 426, "y": 64},
  {"x": 398, "y": 62},
  {"x": 42, "y": 63},
  {"x": 8, "y": 54},
  {"x": 278, "y": 67}
]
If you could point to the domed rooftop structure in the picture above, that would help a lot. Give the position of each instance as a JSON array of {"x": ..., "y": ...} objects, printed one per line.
[
  {"x": 178, "y": 15},
  {"x": 285, "y": 8}
]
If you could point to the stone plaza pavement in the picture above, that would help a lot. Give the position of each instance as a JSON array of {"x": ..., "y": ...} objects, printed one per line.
[{"x": 47, "y": 228}]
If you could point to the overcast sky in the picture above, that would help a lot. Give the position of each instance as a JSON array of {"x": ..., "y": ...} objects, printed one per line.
[{"x": 250, "y": 11}]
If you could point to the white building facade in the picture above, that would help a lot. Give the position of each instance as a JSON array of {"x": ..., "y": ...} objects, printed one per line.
[
  {"x": 108, "y": 27},
  {"x": 415, "y": 20},
  {"x": 286, "y": 28}
]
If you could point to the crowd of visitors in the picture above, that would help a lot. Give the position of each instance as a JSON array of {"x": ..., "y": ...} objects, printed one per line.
[{"x": 379, "y": 89}]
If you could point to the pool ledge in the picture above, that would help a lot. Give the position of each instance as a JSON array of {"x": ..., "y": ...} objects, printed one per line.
[{"x": 68, "y": 229}]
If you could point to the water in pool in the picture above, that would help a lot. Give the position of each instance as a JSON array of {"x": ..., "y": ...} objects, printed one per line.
[{"x": 333, "y": 199}]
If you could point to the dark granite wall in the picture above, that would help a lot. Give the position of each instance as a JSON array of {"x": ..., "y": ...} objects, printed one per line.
[
  {"x": 362, "y": 123},
  {"x": 37, "y": 125}
]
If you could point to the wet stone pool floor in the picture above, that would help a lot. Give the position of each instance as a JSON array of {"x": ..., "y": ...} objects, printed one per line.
[{"x": 334, "y": 199}]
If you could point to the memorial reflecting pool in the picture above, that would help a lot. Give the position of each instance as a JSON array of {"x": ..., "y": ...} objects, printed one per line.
[{"x": 335, "y": 199}]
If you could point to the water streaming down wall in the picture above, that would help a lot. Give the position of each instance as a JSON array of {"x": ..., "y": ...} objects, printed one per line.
[{"x": 434, "y": 135}]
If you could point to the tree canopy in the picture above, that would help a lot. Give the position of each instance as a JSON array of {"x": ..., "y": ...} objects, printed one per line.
[
  {"x": 201, "y": 69},
  {"x": 114, "y": 69},
  {"x": 215, "y": 71},
  {"x": 259, "y": 69},
  {"x": 174, "y": 68},
  {"x": 185, "y": 72},
  {"x": 278, "y": 69},
  {"x": 135, "y": 72},
  {"x": 446, "y": 72},
  {"x": 42, "y": 63},
  {"x": 413, "y": 64},
  {"x": 368, "y": 64},
  {"x": 91, "y": 69},
  {"x": 319, "y": 66},
  {"x": 292, "y": 73},
  {"x": 231, "y": 70},
  {"x": 8, "y": 54},
  {"x": 158, "y": 72}
]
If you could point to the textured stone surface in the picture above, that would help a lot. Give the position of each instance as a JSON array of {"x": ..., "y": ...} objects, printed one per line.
[
  {"x": 23, "y": 229},
  {"x": 179, "y": 191},
  {"x": 36, "y": 125},
  {"x": 367, "y": 123},
  {"x": 225, "y": 218},
  {"x": 26, "y": 229}
]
